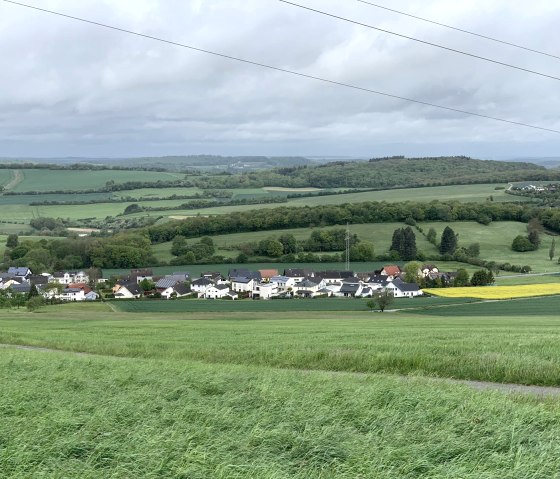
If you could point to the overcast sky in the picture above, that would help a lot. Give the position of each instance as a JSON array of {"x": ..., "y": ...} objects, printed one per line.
[{"x": 72, "y": 89}]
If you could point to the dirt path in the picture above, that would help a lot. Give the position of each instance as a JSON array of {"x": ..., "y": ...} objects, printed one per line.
[
  {"x": 540, "y": 391},
  {"x": 17, "y": 178}
]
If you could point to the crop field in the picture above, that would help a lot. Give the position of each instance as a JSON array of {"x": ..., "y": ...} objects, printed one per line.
[
  {"x": 527, "y": 307},
  {"x": 217, "y": 395},
  {"x": 5, "y": 177},
  {"x": 499, "y": 292},
  {"x": 274, "y": 306},
  {"x": 68, "y": 180}
]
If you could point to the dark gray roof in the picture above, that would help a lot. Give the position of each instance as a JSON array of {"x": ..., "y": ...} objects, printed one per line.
[
  {"x": 243, "y": 280},
  {"x": 202, "y": 282},
  {"x": 406, "y": 287},
  {"x": 221, "y": 287},
  {"x": 244, "y": 273},
  {"x": 132, "y": 286},
  {"x": 335, "y": 274},
  {"x": 307, "y": 283},
  {"x": 182, "y": 288},
  {"x": 166, "y": 282},
  {"x": 19, "y": 270},
  {"x": 350, "y": 288},
  {"x": 378, "y": 278},
  {"x": 21, "y": 288},
  {"x": 296, "y": 273}
]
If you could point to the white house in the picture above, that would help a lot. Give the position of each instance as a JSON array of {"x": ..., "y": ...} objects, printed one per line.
[
  {"x": 242, "y": 285},
  {"x": 201, "y": 285},
  {"x": 265, "y": 290},
  {"x": 178, "y": 290},
  {"x": 399, "y": 289},
  {"x": 129, "y": 290},
  {"x": 72, "y": 294},
  {"x": 283, "y": 283},
  {"x": 219, "y": 291},
  {"x": 308, "y": 287}
]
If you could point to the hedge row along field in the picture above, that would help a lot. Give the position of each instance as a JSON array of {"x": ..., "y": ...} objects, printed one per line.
[{"x": 499, "y": 292}]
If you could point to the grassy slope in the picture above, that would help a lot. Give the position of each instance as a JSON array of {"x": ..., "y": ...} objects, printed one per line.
[
  {"x": 5, "y": 177},
  {"x": 101, "y": 417},
  {"x": 495, "y": 243}
]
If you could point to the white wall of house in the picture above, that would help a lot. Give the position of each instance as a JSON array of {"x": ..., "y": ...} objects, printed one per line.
[
  {"x": 265, "y": 290},
  {"x": 216, "y": 293},
  {"x": 242, "y": 287}
]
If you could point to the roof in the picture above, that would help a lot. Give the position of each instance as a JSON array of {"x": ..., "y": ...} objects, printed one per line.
[
  {"x": 39, "y": 279},
  {"x": 182, "y": 288},
  {"x": 132, "y": 287},
  {"x": 349, "y": 288},
  {"x": 307, "y": 283},
  {"x": 221, "y": 287},
  {"x": 21, "y": 288},
  {"x": 335, "y": 274},
  {"x": 202, "y": 282},
  {"x": 19, "y": 270},
  {"x": 392, "y": 270},
  {"x": 183, "y": 274},
  {"x": 378, "y": 278},
  {"x": 81, "y": 286},
  {"x": 166, "y": 282},
  {"x": 245, "y": 273},
  {"x": 297, "y": 273},
  {"x": 243, "y": 280},
  {"x": 268, "y": 273},
  {"x": 352, "y": 280},
  {"x": 280, "y": 279},
  {"x": 141, "y": 272},
  {"x": 72, "y": 290},
  {"x": 406, "y": 287}
]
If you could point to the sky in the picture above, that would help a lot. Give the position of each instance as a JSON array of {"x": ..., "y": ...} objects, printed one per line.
[{"x": 72, "y": 89}]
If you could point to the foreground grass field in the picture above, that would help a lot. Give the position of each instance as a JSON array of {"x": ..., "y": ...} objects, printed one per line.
[
  {"x": 121, "y": 418},
  {"x": 304, "y": 395}
]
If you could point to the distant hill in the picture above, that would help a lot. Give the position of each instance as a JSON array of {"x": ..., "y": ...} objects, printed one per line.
[
  {"x": 546, "y": 161},
  {"x": 391, "y": 172}
]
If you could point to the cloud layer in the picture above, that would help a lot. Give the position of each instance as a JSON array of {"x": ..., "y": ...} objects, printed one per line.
[{"x": 72, "y": 89}]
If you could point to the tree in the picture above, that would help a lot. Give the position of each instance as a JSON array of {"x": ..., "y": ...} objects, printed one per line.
[
  {"x": 179, "y": 246},
  {"x": 552, "y": 250},
  {"x": 242, "y": 258},
  {"x": 371, "y": 304},
  {"x": 147, "y": 285},
  {"x": 32, "y": 292},
  {"x": 362, "y": 252},
  {"x": 482, "y": 278},
  {"x": 409, "y": 251},
  {"x": 473, "y": 250},
  {"x": 133, "y": 208},
  {"x": 397, "y": 242},
  {"x": 449, "y": 242},
  {"x": 12, "y": 241},
  {"x": 534, "y": 238},
  {"x": 412, "y": 271},
  {"x": 522, "y": 244},
  {"x": 35, "y": 303},
  {"x": 383, "y": 300},
  {"x": 462, "y": 278},
  {"x": 432, "y": 236}
]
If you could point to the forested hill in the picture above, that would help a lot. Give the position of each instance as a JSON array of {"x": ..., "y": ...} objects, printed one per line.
[{"x": 389, "y": 173}]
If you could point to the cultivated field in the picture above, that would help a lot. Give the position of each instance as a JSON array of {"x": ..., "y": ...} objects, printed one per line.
[
  {"x": 224, "y": 396},
  {"x": 499, "y": 292}
]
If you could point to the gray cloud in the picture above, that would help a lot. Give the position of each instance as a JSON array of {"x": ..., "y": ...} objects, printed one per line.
[{"x": 68, "y": 88}]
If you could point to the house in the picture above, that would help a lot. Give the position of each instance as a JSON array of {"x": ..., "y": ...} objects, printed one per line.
[
  {"x": 266, "y": 274},
  {"x": 139, "y": 275},
  {"x": 68, "y": 277},
  {"x": 40, "y": 279},
  {"x": 378, "y": 280},
  {"x": 245, "y": 273},
  {"x": 218, "y": 291},
  {"x": 178, "y": 290},
  {"x": 72, "y": 294},
  {"x": 298, "y": 274},
  {"x": 213, "y": 276},
  {"x": 351, "y": 290},
  {"x": 283, "y": 283},
  {"x": 391, "y": 270},
  {"x": 23, "y": 288},
  {"x": 242, "y": 285},
  {"x": 428, "y": 269},
  {"x": 264, "y": 290},
  {"x": 334, "y": 276},
  {"x": 367, "y": 292},
  {"x": 20, "y": 271},
  {"x": 309, "y": 287},
  {"x": 399, "y": 289},
  {"x": 127, "y": 290},
  {"x": 200, "y": 285},
  {"x": 91, "y": 296}
]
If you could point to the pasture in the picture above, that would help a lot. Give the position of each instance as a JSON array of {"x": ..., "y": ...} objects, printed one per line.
[{"x": 293, "y": 394}]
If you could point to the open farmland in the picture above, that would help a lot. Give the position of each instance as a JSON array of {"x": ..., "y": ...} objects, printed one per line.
[
  {"x": 5, "y": 177},
  {"x": 220, "y": 395},
  {"x": 499, "y": 292},
  {"x": 69, "y": 180}
]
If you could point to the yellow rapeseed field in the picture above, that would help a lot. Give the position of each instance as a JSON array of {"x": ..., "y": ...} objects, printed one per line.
[{"x": 498, "y": 292}]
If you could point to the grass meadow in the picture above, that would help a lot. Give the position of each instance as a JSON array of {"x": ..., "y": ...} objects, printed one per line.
[{"x": 285, "y": 395}]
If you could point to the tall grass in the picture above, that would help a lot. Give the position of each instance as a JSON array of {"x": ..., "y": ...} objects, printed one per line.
[{"x": 67, "y": 417}]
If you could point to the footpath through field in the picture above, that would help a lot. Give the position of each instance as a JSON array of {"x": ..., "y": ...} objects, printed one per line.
[{"x": 541, "y": 391}]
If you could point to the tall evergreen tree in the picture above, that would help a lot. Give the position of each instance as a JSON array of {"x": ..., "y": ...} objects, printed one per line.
[
  {"x": 409, "y": 250},
  {"x": 397, "y": 242},
  {"x": 448, "y": 243},
  {"x": 552, "y": 250}
]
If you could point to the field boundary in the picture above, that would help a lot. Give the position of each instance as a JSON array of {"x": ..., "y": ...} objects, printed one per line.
[{"x": 508, "y": 388}]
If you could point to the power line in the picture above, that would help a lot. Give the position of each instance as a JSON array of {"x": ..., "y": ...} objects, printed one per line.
[
  {"x": 480, "y": 35},
  {"x": 283, "y": 70},
  {"x": 443, "y": 47}
]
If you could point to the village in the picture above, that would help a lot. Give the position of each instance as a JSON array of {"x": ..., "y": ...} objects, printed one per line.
[{"x": 239, "y": 283}]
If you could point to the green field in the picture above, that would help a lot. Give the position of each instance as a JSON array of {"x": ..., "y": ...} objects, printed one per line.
[
  {"x": 5, "y": 177},
  {"x": 300, "y": 394},
  {"x": 68, "y": 180}
]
